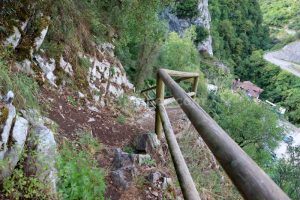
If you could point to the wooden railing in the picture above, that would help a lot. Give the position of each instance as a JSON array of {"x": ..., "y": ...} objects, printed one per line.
[{"x": 251, "y": 181}]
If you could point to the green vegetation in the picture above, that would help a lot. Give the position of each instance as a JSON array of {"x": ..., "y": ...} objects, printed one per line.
[
  {"x": 186, "y": 8},
  {"x": 80, "y": 176},
  {"x": 212, "y": 182},
  {"x": 24, "y": 87},
  {"x": 237, "y": 30},
  {"x": 253, "y": 126},
  {"x": 180, "y": 52},
  {"x": 279, "y": 86},
  {"x": 286, "y": 173},
  {"x": 281, "y": 13},
  {"x": 19, "y": 185}
]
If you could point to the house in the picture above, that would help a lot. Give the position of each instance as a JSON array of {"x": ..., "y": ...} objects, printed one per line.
[{"x": 248, "y": 87}]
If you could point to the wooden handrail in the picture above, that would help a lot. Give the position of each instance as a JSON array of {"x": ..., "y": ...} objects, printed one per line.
[{"x": 251, "y": 181}]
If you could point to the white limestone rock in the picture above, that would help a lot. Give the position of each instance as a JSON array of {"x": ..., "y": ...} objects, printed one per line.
[
  {"x": 48, "y": 67},
  {"x": 204, "y": 20},
  {"x": 66, "y": 66},
  {"x": 39, "y": 40},
  {"x": 25, "y": 66},
  {"x": 6, "y": 129},
  {"x": 12, "y": 156},
  {"x": 46, "y": 156},
  {"x": 14, "y": 39}
]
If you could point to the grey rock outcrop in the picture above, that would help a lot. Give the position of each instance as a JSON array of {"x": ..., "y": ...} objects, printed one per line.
[
  {"x": 13, "y": 153},
  {"x": 202, "y": 20},
  {"x": 10, "y": 111},
  {"x": 46, "y": 156}
]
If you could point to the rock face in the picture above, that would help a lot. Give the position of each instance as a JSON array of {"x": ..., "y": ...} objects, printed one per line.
[
  {"x": 106, "y": 76},
  {"x": 202, "y": 20},
  {"x": 14, "y": 137},
  {"x": 12, "y": 155},
  {"x": 8, "y": 114},
  {"x": 46, "y": 156}
]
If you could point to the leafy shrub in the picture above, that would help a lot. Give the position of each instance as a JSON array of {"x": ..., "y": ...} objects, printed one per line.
[
  {"x": 201, "y": 34},
  {"x": 187, "y": 8},
  {"x": 22, "y": 186},
  {"x": 180, "y": 53},
  {"x": 80, "y": 177}
]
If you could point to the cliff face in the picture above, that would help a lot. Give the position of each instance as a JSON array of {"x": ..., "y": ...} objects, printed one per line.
[
  {"x": 95, "y": 69},
  {"x": 203, "y": 20}
]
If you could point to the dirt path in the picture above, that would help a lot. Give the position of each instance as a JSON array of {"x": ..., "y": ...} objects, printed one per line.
[
  {"x": 103, "y": 124},
  {"x": 283, "y": 58}
]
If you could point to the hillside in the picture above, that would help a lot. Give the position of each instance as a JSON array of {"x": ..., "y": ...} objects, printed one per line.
[
  {"x": 74, "y": 125},
  {"x": 283, "y": 19}
]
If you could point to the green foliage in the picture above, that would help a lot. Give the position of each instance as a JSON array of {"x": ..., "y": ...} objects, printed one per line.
[
  {"x": 140, "y": 34},
  {"x": 281, "y": 13},
  {"x": 72, "y": 101},
  {"x": 79, "y": 175},
  {"x": 21, "y": 186},
  {"x": 180, "y": 53},
  {"x": 237, "y": 29},
  {"x": 286, "y": 173},
  {"x": 148, "y": 162},
  {"x": 201, "y": 34},
  {"x": 280, "y": 87},
  {"x": 25, "y": 88},
  {"x": 186, "y": 8},
  {"x": 251, "y": 125}
]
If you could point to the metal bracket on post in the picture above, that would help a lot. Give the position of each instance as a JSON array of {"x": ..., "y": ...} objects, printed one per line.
[{"x": 160, "y": 95}]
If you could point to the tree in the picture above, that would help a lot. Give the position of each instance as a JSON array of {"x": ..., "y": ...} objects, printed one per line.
[
  {"x": 251, "y": 125},
  {"x": 286, "y": 172},
  {"x": 180, "y": 53}
]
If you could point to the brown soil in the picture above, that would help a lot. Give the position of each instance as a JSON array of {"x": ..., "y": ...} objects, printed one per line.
[{"x": 71, "y": 114}]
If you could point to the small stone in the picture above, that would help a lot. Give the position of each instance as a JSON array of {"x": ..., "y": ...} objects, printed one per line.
[
  {"x": 119, "y": 179},
  {"x": 167, "y": 182},
  {"x": 155, "y": 193},
  {"x": 81, "y": 95},
  {"x": 146, "y": 142},
  {"x": 93, "y": 109},
  {"x": 91, "y": 120},
  {"x": 154, "y": 177}
]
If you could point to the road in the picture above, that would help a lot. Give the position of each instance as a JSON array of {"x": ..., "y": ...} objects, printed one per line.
[
  {"x": 285, "y": 65},
  {"x": 284, "y": 58}
]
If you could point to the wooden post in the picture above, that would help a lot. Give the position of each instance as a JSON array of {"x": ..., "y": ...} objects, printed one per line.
[
  {"x": 195, "y": 86},
  {"x": 186, "y": 182},
  {"x": 160, "y": 95}
]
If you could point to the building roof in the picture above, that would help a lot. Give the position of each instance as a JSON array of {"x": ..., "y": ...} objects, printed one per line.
[{"x": 250, "y": 88}]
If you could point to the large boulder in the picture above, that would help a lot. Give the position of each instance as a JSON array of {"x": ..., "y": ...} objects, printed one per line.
[
  {"x": 7, "y": 115},
  {"x": 42, "y": 162},
  {"x": 15, "y": 147}
]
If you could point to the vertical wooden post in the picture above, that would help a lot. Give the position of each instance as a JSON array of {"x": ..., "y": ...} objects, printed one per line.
[
  {"x": 160, "y": 95},
  {"x": 195, "y": 86}
]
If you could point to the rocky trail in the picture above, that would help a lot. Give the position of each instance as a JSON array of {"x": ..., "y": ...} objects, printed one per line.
[
  {"x": 287, "y": 58},
  {"x": 125, "y": 171}
]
